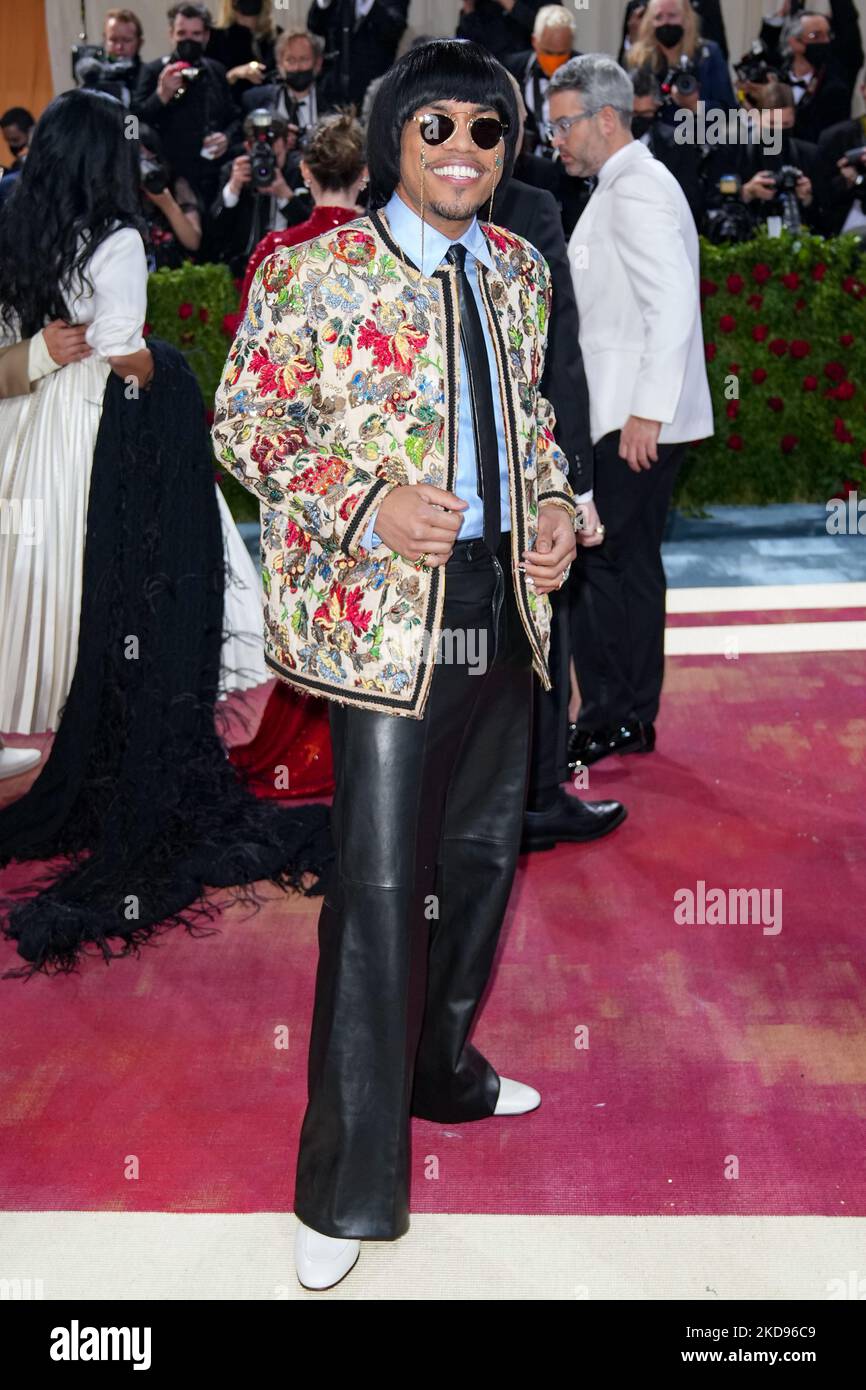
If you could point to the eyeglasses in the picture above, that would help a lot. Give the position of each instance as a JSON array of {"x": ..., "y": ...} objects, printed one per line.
[
  {"x": 437, "y": 129},
  {"x": 564, "y": 124}
]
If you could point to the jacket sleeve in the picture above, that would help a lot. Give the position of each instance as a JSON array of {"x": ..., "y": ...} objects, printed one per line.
[
  {"x": 564, "y": 379},
  {"x": 268, "y": 431},
  {"x": 655, "y": 259},
  {"x": 552, "y": 465}
]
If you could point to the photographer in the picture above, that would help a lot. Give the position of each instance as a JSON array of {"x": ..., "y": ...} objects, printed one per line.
[
  {"x": 115, "y": 67},
  {"x": 668, "y": 43},
  {"x": 16, "y": 124},
  {"x": 187, "y": 100},
  {"x": 243, "y": 41},
  {"x": 361, "y": 40},
  {"x": 255, "y": 198},
  {"x": 169, "y": 207},
  {"x": 841, "y": 28},
  {"x": 842, "y": 157},
  {"x": 683, "y": 161},
  {"x": 820, "y": 61},
  {"x": 553, "y": 43},
  {"x": 787, "y": 184},
  {"x": 295, "y": 91}
]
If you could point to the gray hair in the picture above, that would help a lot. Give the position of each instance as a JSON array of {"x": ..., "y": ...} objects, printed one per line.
[
  {"x": 600, "y": 82},
  {"x": 792, "y": 28}
]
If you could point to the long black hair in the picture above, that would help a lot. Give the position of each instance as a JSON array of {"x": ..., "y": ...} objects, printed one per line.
[
  {"x": 443, "y": 70},
  {"x": 80, "y": 180}
]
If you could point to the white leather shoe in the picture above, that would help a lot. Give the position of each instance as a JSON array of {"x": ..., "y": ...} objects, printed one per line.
[
  {"x": 322, "y": 1261},
  {"x": 14, "y": 761},
  {"x": 515, "y": 1098}
]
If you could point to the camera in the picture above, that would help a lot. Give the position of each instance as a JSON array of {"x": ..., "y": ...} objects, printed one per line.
[
  {"x": 265, "y": 128},
  {"x": 857, "y": 157},
  {"x": 93, "y": 69},
  {"x": 754, "y": 67},
  {"x": 731, "y": 222},
  {"x": 785, "y": 180},
  {"x": 153, "y": 176},
  {"x": 682, "y": 79}
]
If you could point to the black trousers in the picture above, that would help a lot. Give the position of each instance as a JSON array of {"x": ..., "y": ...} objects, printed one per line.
[
  {"x": 427, "y": 820},
  {"x": 618, "y": 590},
  {"x": 549, "y": 766}
]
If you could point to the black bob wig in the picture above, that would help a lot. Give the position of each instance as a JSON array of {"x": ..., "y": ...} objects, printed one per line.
[{"x": 442, "y": 70}]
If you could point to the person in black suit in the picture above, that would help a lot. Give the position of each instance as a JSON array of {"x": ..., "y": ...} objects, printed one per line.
[
  {"x": 551, "y": 814},
  {"x": 500, "y": 26},
  {"x": 360, "y": 43},
  {"x": 244, "y": 40},
  {"x": 187, "y": 100},
  {"x": 552, "y": 44},
  {"x": 759, "y": 164},
  {"x": 684, "y": 161},
  {"x": 241, "y": 214},
  {"x": 846, "y": 197},
  {"x": 819, "y": 58}
]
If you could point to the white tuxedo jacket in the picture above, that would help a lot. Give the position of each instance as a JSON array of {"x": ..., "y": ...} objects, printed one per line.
[{"x": 635, "y": 265}]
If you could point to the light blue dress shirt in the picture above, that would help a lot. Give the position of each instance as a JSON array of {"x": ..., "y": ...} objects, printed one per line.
[{"x": 406, "y": 229}]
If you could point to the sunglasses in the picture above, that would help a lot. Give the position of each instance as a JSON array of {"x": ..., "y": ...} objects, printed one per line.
[{"x": 437, "y": 129}]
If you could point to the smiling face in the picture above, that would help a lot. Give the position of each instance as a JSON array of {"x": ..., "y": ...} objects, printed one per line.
[{"x": 458, "y": 176}]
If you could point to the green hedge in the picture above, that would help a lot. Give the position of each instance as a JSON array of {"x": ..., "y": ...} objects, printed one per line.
[{"x": 784, "y": 316}]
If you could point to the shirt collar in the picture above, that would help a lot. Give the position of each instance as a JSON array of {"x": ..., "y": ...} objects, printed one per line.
[{"x": 405, "y": 227}]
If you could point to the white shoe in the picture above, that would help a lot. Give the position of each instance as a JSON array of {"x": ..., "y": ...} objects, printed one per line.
[
  {"x": 322, "y": 1261},
  {"x": 515, "y": 1098},
  {"x": 14, "y": 761}
]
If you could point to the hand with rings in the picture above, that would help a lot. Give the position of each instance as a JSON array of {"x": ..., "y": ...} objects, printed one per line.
[{"x": 592, "y": 532}]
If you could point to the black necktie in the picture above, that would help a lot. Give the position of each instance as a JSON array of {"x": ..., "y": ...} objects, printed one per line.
[{"x": 481, "y": 399}]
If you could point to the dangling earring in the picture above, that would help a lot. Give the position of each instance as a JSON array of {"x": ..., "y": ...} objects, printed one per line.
[
  {"x": 497, "y": 165},
  {"x": 423, "y": 167}
]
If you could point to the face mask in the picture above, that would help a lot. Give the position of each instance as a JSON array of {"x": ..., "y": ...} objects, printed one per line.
[
  {"x": 640, "y": 125},
  {"x": 669, "y": 35},
  {"x": 549, "y": 62},
  {"x": 248, "y": 7},
  {"x": 189, "y": 50},
  {"x": 300, "y": 81},
  {"x": 816, "y": 54}
]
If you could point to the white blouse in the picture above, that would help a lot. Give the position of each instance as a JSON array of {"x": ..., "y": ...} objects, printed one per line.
[{"x": 114, "y": 310}]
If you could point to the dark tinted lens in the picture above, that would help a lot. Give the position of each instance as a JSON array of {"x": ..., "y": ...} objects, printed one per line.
[
  {"x": 435, "y": 129},
  {"x": 487, "y": 131}
]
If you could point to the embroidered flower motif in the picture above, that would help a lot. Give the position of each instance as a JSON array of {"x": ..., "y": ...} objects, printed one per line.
[
  {"x": 393, "y": 340},
  {"x": 353, "y": 247}
]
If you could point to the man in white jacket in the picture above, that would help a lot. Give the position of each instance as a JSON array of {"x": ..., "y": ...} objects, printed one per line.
[{"x": 635, "y": 265}]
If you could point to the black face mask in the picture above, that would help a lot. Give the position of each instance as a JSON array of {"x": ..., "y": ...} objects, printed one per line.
[
  {"x": 641, "y": 124},
  {"x": 189, "y": 50},
  {"x": 301, "y": 80},
  {"x": 248, "y": 7},
  {"x": 816, "y": 54},
  {"x": 669, "y": 35}
]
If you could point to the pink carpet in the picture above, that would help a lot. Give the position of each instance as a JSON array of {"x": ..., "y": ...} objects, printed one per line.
[{"x": 711, "y": 1049}]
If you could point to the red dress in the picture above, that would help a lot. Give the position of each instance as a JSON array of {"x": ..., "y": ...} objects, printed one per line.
[{"x": 294, "y": 732}]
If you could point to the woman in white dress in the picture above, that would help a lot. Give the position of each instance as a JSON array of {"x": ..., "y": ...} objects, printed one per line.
[
  {"x": 116, "y": 549},
  {"x": 47, "y": 440}
]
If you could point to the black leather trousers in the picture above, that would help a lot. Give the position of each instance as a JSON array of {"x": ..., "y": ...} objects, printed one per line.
[{"x": 427, "y": 822}]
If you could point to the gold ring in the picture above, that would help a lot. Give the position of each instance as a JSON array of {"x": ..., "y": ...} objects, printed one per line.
[{"x": 422, "y": 559}]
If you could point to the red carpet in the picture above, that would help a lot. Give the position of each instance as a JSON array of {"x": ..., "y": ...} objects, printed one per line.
[{"x": 155, "y": 1083}]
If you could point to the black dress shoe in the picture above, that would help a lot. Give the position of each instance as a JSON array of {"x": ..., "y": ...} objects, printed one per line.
[
  {"x": 570, "y": 819},
  {"x": 587, "y": 746}
]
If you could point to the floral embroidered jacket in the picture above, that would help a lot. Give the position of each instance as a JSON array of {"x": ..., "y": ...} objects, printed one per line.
[{"x": 342, "y": 383}]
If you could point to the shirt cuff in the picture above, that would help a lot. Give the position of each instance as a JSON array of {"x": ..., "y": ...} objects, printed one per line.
[
  {"x": 371, "y": 540},
  {"x": 230, "y": 199},
  {"x": 584, "y": 496},
  {"x": 39, "y": 359}
]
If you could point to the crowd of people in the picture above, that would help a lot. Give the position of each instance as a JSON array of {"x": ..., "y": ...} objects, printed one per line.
[{"x": 225, "y": 112}]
